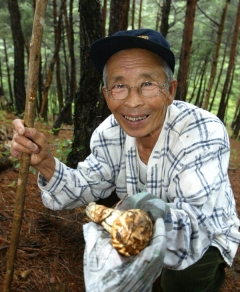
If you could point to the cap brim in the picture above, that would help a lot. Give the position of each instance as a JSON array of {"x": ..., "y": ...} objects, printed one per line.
[{"x": 102, "y": 49}]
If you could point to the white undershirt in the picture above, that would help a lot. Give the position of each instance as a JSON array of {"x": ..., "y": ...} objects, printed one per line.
[{"x": 142, "y": 174}]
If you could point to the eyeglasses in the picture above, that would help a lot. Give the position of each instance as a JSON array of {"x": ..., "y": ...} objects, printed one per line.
[{"x": 147, "y": 89}]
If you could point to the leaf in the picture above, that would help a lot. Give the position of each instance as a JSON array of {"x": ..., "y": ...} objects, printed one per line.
[{"x": 23, "y": 274}]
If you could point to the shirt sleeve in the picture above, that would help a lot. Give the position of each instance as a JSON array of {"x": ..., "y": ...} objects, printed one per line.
[{"x": 70, "y": 188}]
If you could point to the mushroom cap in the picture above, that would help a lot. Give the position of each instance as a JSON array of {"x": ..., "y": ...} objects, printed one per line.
[{"x": 131, "y": 232}]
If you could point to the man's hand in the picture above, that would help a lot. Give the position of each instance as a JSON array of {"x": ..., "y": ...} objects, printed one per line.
[{"x": 31, "y": 141}]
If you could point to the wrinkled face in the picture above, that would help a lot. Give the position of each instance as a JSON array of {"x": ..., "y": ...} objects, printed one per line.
[{"x": 138, "y": 116}]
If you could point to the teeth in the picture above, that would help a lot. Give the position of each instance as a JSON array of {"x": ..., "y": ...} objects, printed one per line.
[{"x": 135, "y": 119}]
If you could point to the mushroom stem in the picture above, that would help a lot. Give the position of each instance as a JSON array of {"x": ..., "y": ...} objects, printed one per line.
[{"x": 102, "y": 215}]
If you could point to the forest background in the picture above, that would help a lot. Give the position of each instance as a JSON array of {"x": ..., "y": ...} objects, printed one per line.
[{"x": 203, "y": 36}]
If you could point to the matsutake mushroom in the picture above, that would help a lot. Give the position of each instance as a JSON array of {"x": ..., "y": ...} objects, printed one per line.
[{"x": 131, "y": 230}]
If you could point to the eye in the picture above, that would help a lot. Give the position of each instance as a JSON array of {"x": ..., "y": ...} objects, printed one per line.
[
  {"x": 119, "y": 86},
  {"x": 148, "y": 84}
]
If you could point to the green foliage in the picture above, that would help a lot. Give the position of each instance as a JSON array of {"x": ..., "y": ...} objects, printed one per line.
[
  {"x": 4, "y": 120},
  {"x": 27, "y": 14},
  {"x": 63, "y": 149}
]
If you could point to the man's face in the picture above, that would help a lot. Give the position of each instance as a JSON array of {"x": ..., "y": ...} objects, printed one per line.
[{"x": 138, "y": 116}]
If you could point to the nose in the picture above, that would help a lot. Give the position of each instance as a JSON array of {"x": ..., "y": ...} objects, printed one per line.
[{"x": 134, "y": 98}]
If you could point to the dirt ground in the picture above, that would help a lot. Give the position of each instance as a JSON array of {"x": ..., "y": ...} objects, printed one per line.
[{"x": 51, "y": 244}]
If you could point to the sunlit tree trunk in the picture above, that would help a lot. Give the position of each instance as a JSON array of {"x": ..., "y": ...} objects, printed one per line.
[
  {"x": 186, "y": 50},
  {"x": 215, "y": 57},
  {"x": 72, "y": 91},
  {"x": 49, "y": 76},
  {"x": 140, "y": 14},
  {"x": 72, "y": 87},
  {"x": 40, "y": 86},
  {"x": 64, "y": 49},
  {"x": 118, "y": 15},
  {"x": 224, "y": 101},
  {"x": 201, "y": 68},
  {"x": 65, "y": 113},
  {"x": 219, "y": 75},
  {"x": 1, "y": 76},
  {"x": 199, "y": 85},
  {"x": 8, "y": 73},
  {"x": 200, "y": 88},
  {"x": 133, "y": 13},
  {"x": 104, "y": 16},
  {"x": 158, "y": 18},
  {"x": 57, "y": 36},
  {"x": 19, "y": 67}
]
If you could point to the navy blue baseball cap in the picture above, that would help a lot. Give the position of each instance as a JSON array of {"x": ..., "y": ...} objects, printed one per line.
[{"x": 148, "y": 39}]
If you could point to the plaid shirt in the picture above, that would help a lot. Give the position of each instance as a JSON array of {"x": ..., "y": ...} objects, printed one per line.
[{"x": 188, "y": 169}]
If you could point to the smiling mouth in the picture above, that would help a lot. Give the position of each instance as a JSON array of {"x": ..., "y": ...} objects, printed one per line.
[{"x": 135, "y": 119}]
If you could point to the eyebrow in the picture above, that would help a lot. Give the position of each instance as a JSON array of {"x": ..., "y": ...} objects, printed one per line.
[{"x": 143, "y": 75}]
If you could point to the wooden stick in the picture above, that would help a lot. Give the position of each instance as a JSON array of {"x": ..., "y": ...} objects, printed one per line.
[{"x": 34, "y": 60}]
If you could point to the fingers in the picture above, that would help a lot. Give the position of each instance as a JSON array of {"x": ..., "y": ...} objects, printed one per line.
[
  {"x": 31, "y": 141},
  {"x": 18, "y": 126},
  {"x": 22, "y": 144},
  {"x": 20, "y": 129},
  {"x": 27, "y": 140},
  {"x": 15, "y": 153}
]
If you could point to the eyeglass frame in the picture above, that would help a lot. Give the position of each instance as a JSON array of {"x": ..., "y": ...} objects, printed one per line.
[{"x": 160, "y": 85}]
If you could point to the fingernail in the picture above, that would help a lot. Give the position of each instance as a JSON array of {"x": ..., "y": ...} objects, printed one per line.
[
  {"x": 20, "y": 131},
  {"x": 33, "y": 147},
  {"x": 27, "y": 130}
]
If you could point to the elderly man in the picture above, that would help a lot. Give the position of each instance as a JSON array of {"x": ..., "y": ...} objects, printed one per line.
[{"x": 171, "y": 149}]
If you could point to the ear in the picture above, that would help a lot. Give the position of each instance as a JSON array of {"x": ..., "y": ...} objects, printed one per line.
[
  {"x": 172, "y": 90},
  {"x": 105, "y": 93}
]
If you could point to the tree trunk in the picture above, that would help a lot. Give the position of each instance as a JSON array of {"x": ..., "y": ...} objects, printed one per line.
[
  {"x": 223, "y": 102},
  {"x": 66, "y": 69},
  {"x": 140, "y": 14},
  {"x": 44, "y": 105},
  {"x": 118, "y": 15},
  {"x": 133, "y": 13},
  {"x": 8, "y": 73},
  {"x": 236, "y": 121},
  {"x": 236, "y": 112},
  {"x": 88, "y": 95},
  {"x": 186, "y": 50},
  {"x": 59, "y": 121},
  {"x": 1, "y": 77},
  {"x": 198, "y": 98},
  {"x": 67, "y": 118},
  {"x": 19, "y": 67},
  {"x": 197, "y": 77},
  {"x": 199, "y": 84},
  {"x": 65, "y": 113},
  {"x": 203, "y": 91},
  {"x": 104, "y": 16},
  {"x": 57, "y": 35},
  {"x": 165, "y": 17},
  {"x": 219, "y": 74},
  {"x": 215, "y": 57}
]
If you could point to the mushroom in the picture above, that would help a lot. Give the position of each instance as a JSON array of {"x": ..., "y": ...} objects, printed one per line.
[{"x": 131, "y": 230}]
